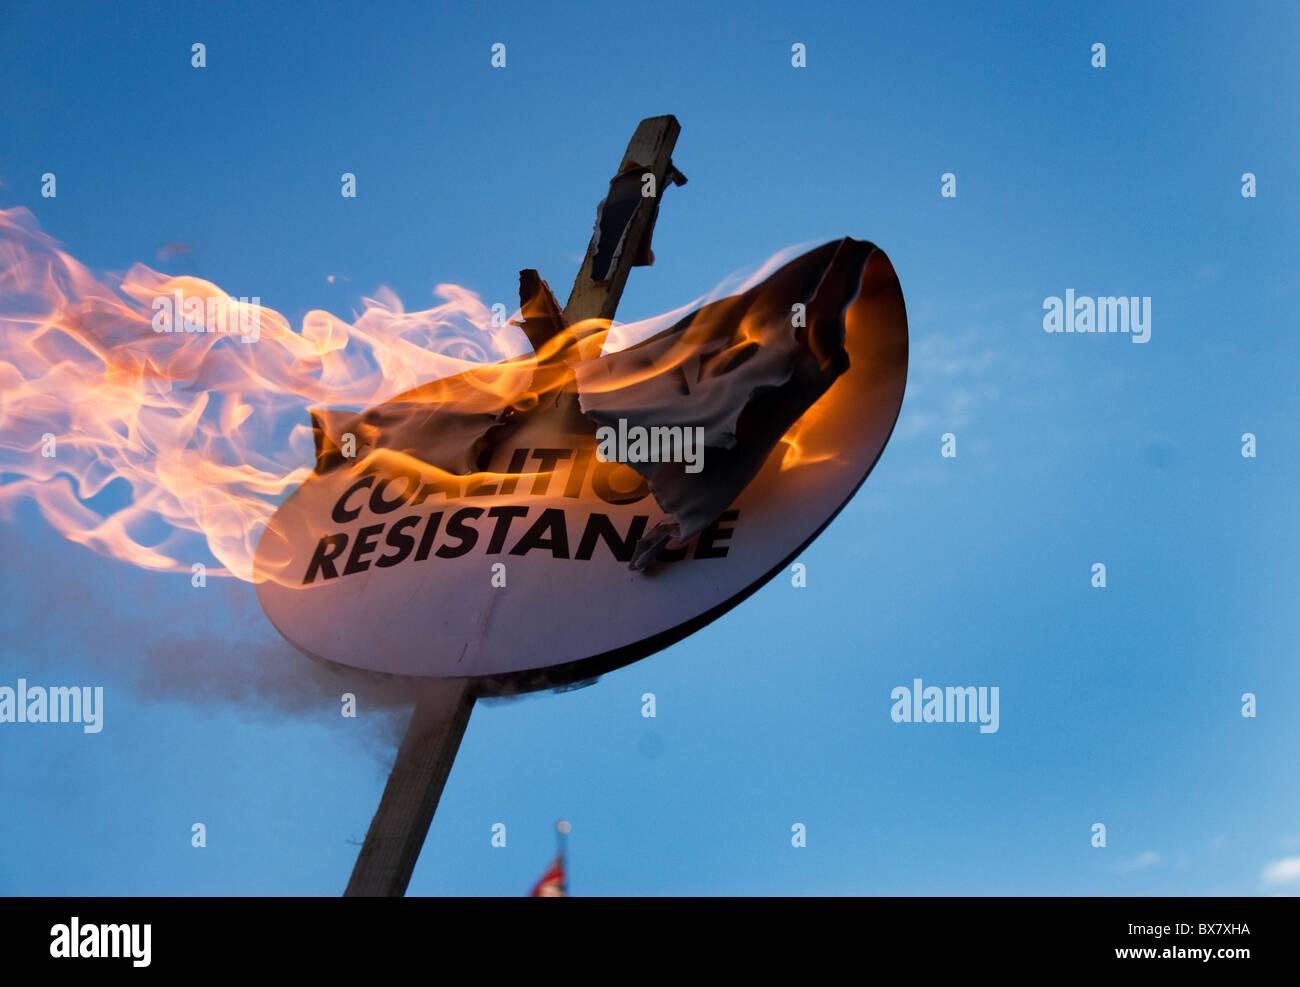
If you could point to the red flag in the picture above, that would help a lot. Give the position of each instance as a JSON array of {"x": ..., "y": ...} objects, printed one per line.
[{"x": 552, "y": 883}]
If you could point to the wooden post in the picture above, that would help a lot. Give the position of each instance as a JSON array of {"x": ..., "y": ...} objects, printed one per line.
[
  {"x": 420, "y": 770},
  {"x": 424, "y": 759},
  {"x": 651, "y": 148}
]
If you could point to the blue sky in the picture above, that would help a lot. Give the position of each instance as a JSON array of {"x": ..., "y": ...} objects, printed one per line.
[{"x": 1119, "y": 706}]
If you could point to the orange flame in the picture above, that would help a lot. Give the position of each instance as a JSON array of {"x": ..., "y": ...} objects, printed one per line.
[{"x": 207, "y": 432}]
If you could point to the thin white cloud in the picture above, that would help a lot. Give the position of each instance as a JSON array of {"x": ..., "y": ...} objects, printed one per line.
[
  {"x": 1148, "y": 858},
  {"x": 947, "y": 380},
  {"x": 1284, "y": 871}
]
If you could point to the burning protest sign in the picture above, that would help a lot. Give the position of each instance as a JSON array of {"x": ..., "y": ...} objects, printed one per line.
[
  {"x": 480, "y": 532},
  {"x": 387, "y": 560}
]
